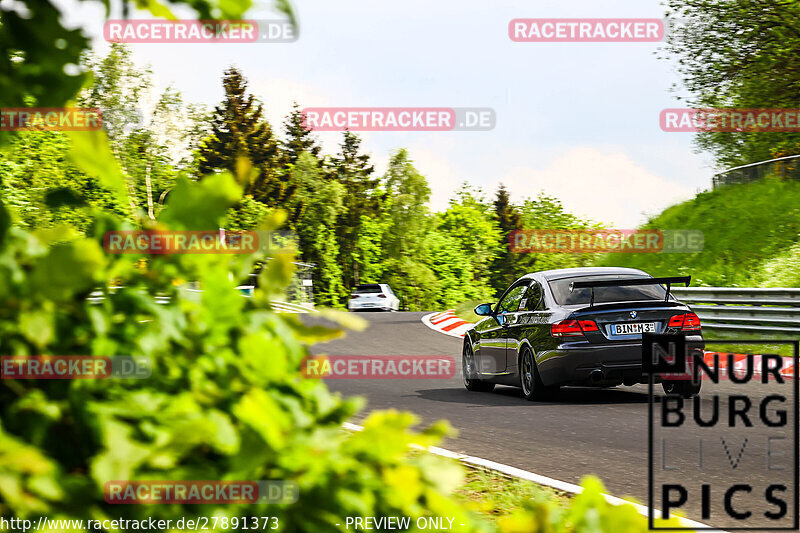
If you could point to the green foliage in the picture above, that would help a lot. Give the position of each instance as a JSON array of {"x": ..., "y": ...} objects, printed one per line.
[
  {"x": 466, "y": 310},
  {"x": 546, "y": 212},
  {"x": 743, "y": 226},
  {"x": 153, "y": 146},
  {"x": 318, "y": 202},
  {"x": 494, "y": 494},
  {"x": 780, "y": 270},
  {"x": 470, "y": 221},
  {"x": 405, "y": 234},
  {"x": 588, "y": 512},
  {"x": 37, "y": 48},
  {"x": 240, "y": 131},
  {"x": 225, "y": 399},
  {"x": 739, "y": 54},
  {"x": 43, "y": 186},
  {"x": 298, "y": 138},
  {"x": 41, "y": 56},
  {"x": 353, "y": 171},
  {"x": 504, "y": 267},
  {"x": 117, "y": 88}
]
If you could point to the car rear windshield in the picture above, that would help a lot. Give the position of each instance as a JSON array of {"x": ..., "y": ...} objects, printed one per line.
[
  {"x": 563, "y": 296},
  {"x": 371, "y": 288}
]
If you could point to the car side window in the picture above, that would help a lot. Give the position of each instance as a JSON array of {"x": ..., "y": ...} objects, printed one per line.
[
  {"x": 510, "y": 303},
  {"x": 533, "y": 298}
]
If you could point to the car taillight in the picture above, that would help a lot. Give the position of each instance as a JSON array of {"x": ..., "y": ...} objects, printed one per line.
[
  {"x": 353, "y": 297},
  {"x": 676, "y": 321},
  {"x": 691, "y": 322},
  {"x": 381, "y": 296},
  {"x": 565, "y": 328},
  {"x": 588, "y": 325},
  {"x": 687, "y": 322}
]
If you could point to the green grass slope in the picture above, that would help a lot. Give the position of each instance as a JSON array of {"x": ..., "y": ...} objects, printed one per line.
[{"x": 751, "y": 231}]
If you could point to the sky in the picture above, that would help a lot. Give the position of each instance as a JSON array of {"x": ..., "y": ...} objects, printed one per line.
[{"x": 578, "y": 121}]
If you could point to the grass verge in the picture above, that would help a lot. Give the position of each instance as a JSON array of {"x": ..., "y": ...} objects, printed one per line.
[
  {"x": 492, "y": 494},
  {"x": 464, "y": 310},
  {"x": 716, "y": 342}
]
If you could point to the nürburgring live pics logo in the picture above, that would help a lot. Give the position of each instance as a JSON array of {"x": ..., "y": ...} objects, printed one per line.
[{"x": 729, "y": 456}]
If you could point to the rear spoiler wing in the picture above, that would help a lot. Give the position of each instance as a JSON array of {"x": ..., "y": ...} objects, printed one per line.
[{"x": 629, "y": 282}]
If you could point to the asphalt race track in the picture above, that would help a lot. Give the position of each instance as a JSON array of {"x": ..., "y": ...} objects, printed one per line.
[{"x": 582, "y": 431}]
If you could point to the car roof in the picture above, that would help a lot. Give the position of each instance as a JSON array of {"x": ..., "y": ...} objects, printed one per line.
[{"x": 562, "y": 273}]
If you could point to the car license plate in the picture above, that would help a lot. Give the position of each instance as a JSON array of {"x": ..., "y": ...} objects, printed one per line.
[{"x": 633, "y": 328}]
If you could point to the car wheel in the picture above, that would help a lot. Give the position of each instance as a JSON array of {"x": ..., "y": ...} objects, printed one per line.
[
  {"x": 684, "y": 387},
  {"x": 532, "y": 387},
  {"x": 470, "y": 372}
]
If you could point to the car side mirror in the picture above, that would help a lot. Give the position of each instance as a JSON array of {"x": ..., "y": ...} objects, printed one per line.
[{"x": 483, "y": 310}]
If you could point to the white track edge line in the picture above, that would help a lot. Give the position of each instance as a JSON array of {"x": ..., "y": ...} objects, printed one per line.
[{"x": 539, "y": 479}]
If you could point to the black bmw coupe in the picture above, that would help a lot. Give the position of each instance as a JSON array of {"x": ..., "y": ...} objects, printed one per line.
[{"x": 575, "y": 326}]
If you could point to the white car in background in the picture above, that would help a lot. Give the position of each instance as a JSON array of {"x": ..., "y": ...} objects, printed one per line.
[{"x": 373, "y": 297}]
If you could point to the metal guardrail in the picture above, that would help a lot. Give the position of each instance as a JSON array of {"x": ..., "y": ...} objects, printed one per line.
[
  {"x": 784, "y": 167},
  {"x": 744, "y": 309}
]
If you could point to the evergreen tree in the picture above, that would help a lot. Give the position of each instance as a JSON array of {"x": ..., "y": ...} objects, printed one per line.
[
  {"x": 298, "y": 137},
  {"x": 354, "y": 171},
  {"x": 504, "y": 269},
  {"x": 239, "y": 130}
]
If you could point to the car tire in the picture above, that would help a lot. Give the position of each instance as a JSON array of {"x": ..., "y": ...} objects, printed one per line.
[
  {"x": 529, "y": 380},
  {"x": 685, "y": 388},
  {"x": 470, "y": 374}
]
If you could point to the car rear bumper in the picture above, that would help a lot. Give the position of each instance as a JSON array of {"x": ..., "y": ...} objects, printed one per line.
[
  {"x": 579, "y": 363},
  {"x": 368, "y": 308}
]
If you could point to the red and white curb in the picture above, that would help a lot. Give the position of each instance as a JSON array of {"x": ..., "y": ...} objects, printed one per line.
[
  {"x": 447, "y": 322},
  {"x": 536, "y": 478}
]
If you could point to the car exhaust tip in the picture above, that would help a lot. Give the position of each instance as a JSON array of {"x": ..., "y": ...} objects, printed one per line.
[{"x": 596, "y": 375}]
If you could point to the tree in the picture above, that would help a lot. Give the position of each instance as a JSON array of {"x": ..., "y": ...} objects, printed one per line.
[
  {"x": 298, "y": 138},
  {"x": 118, "y": 87},
  {"x": 470, "y": 222},
  {"x": 547, "y": 212},
  {"x": 354, "y": 171},
  {"x": 504, "y": 269},
  {"x": 407, "y": 224},
  {"x": 240, "y": 131},
  {"x": 742, "y": 54},
  {"x": 152, "y": 151},
  {"x": 454, "y": 271},
  {"x": 315, "y": 228},
  {"x": 40, "y": 52},
  {"x": 43, "y": 188}
]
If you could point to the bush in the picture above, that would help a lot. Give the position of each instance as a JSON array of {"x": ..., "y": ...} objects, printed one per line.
[
  {"x": 781, "y": 270},
  {"x": 225, "y": 400}
]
